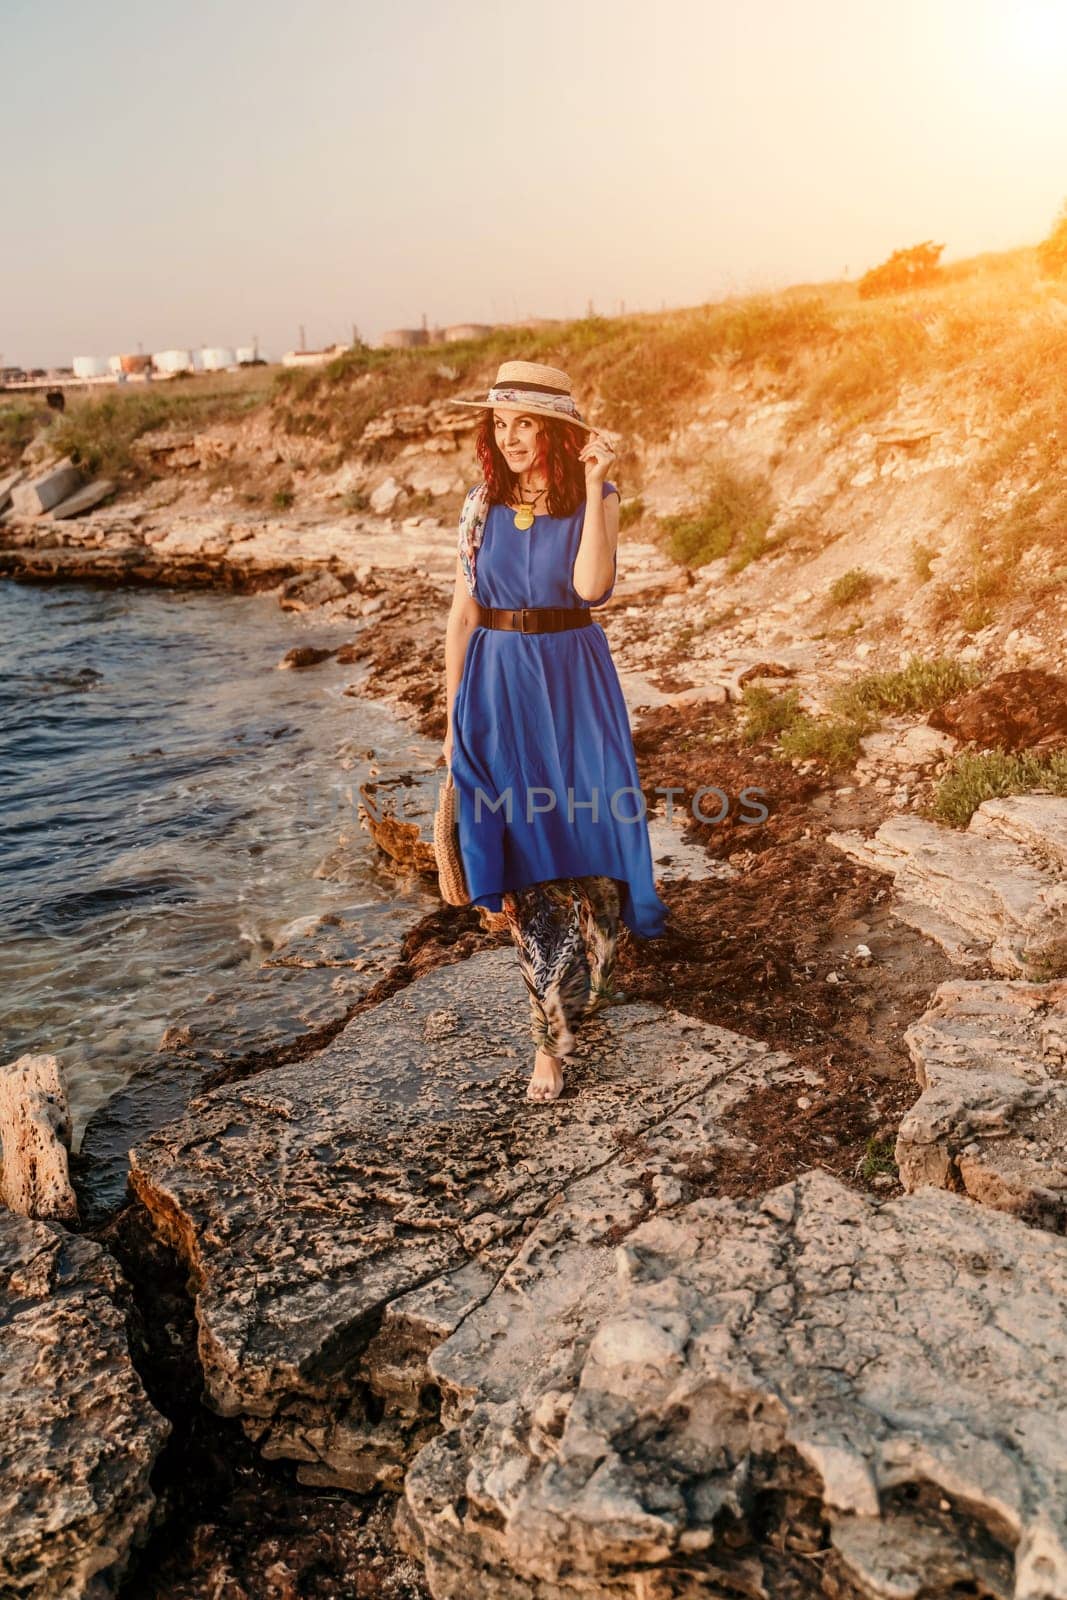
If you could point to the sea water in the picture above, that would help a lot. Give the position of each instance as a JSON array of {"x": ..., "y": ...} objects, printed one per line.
[{"x": 166, "y": 794}]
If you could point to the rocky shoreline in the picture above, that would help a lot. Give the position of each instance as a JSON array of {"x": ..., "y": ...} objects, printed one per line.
[{"x": 691, "y": 1329}]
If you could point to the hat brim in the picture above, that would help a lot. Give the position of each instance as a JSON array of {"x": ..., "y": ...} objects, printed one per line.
[{"x": 527, "y": 410}]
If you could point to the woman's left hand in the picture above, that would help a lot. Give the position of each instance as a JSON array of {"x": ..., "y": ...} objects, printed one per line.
[{"x": 599, "y": 457}]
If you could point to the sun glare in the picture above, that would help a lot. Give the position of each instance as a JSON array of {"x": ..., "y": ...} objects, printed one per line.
[{"x": 1035, "y": 35}]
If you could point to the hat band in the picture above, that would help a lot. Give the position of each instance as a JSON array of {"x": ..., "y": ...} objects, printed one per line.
[{"x": 545, "y": 401}]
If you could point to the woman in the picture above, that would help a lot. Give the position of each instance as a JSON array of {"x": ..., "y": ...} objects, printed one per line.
[{"x": 552, "y": 824}]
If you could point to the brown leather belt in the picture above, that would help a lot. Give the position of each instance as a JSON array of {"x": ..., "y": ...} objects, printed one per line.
[{"x": 534, "y": 619}]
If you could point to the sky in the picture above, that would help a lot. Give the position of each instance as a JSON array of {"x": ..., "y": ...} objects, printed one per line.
[{"x": 209, "y": 173}]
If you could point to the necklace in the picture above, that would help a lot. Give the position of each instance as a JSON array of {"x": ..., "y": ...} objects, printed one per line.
[{"x": 524, "y": 517}]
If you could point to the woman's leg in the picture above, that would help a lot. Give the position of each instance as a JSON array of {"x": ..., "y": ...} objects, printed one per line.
[
  {"x": 546, "y": 924},
  {"x": 599, "y": 914}
]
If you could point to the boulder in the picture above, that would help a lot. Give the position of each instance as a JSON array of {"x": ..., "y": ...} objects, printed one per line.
[
  {"x": 78, "y": 1437},
  {"x": 994, "y": 892},
  {"x": 991, "y": 1060},
  {"x": 385, "y": 497},
  {"x": 398, "y": 814},
  {"x": 84, "y": 499},
  {"x": 341, "y": 1216},
  {"x": 31, "y": 498},
  {"x": 808, "y": 1393},
  {"x": 35, "y": 1135}
]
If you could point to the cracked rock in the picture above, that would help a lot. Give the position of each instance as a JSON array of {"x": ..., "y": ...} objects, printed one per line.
[
  {"x": 879, "y": 1387},
  {"x": 341, "y": 1216},
  {"x": 995, "y": 892},
  {"x": 78, "y": 1437},
  {"x": 991, "y": 1060}
]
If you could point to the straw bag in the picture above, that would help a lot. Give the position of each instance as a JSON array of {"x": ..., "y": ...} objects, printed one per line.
[{"x": 451, "y": 878}]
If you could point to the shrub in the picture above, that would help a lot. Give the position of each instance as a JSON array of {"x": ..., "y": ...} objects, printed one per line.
[
  {"x": 921, "y": 557},
  {"x": 905, "y": 269},
  {"x": 918, "y": 686},
  {"x": 855, "y": 584},
  {"x": 765, "y": 713},
  {"x": 973, "y": 776},
  {"x": 834, "y": 740},
  {"x": 732, "y": 519},
  {"x": 18, "y": 423}
]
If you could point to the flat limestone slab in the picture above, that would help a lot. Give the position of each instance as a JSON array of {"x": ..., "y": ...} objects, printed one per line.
[
  {"x": 756, "y": 1373},
  {"x": 340, "y": 1216},
  {"x": 991, "y": 1060},
  {"x": 83, "y": 499},
  {"x": 30, "y": 498},
  {"x": 1037, "y": 822},
  {"x": 78, "y": 1437},
  {"x": 994, "y": 892}
]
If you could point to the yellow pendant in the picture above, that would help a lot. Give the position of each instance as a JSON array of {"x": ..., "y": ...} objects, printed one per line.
[{"x": 524, "y": 518}]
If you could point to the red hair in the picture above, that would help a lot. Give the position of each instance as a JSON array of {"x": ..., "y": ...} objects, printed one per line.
[{"x": 558, "y": 444}]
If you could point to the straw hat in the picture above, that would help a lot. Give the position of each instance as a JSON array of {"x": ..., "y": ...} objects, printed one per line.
[{"x": 528, "y": 386}]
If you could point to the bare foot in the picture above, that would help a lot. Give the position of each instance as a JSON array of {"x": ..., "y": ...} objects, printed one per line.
[{"x": 547, "y": 1080}]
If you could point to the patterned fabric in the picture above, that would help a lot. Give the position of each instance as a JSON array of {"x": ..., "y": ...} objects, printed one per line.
[
  {"x": 561, "y": 403},
  {"x": 472, "y": 520},
  {"x": 565, "y": 932}
]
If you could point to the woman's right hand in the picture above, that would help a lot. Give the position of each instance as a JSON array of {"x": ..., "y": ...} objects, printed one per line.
[{"x": 446, "y": 748}]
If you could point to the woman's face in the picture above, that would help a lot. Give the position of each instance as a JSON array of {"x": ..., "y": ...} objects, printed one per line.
[{"x": 516, "y": 435}]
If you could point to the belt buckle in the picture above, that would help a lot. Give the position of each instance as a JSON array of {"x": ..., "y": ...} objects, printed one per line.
[{"x": 523, "y": 614}]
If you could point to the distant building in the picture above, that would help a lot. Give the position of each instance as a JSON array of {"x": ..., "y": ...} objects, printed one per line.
[
  {"x": 91, "y": 366},
  {"x": 313, "y": 358},
  {"x": 467, "y": 330},
  {"x": 404, "y": 338},
  {"x": 217, "y": 358}
]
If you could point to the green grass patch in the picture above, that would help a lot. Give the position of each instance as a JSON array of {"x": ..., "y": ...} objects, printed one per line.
[
  {"x": 974, "y": 776},
  {"x": 765, "y": 714},
  {"x": 921, "y": 557},
  {"x": 799, "y": 735},
  {"x": 853, "y": 585},
  {"x": 732, "y": 519},
  {"x": 855, "y": 710},
  {"x": 631, "y": 513},
  {"x": 834, "y": 741},
  {"x": 19, "y": 421},
  {"x": 879, "y": 1160},
  {"x": 920, "y": 685}
]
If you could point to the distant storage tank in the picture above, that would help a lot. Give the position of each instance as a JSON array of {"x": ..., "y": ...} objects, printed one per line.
[
  {"x": 313, "y": 358},
  {"x": 134, "y": 363},
  {"x": 404, "y": 338},
  {"x": 467, "y": 330},
  {"x": 114, "y": 363},
  {"x": 246, "y": 354},
  {"x": 173, "y": 361},
  {"x": 217, "y": 358},
  {"x": 91, "y": 367}
]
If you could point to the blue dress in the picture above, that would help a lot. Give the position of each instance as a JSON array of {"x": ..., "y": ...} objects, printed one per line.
[{"x": 543, "y": 758}]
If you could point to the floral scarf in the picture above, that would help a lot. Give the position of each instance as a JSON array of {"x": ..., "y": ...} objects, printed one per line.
[{"x": 472, "y": 520}]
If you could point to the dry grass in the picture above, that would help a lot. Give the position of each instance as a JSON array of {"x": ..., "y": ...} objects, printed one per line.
[{"x": 100, "y": 425}]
